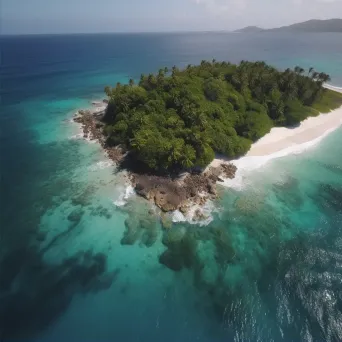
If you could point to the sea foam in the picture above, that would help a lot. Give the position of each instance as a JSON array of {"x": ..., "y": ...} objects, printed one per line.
[
  {"x": 207, "y": 209},
  {"x": 101, "y": 165},
  {"x": 246, "y": 164},
  {"x": 124, "y": 196}
]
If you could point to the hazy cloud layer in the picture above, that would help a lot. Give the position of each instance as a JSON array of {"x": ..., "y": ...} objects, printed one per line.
[
  {"x": 38, "y": 16},
  {"x": 267, "y": 13}
]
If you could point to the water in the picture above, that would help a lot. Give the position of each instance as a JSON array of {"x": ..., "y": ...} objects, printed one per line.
[{"x": 267, "y": 268}]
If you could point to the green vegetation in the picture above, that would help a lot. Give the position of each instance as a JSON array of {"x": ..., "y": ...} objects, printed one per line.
[{"x": 179, "y": 119}]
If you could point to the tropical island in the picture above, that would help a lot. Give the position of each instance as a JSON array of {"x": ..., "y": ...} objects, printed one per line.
[{"x": 177, "y": 121}]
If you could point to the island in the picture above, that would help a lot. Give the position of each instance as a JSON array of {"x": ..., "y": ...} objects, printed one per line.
[
  {"x": 314, "y": 25},
  {"x": 167, "y": 129}
]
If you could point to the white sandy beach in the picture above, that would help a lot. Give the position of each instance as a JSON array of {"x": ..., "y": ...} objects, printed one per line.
[{"x": 282, "y": 141}]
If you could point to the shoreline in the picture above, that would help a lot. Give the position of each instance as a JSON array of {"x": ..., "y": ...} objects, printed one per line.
[
  {"x": 193, "y": 190},
  {"x": 282, "y": 141}
]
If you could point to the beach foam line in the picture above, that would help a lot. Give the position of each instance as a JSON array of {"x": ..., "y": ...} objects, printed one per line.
[
  {"x": 207, "y": 209},
  {"x": 101, "y": 165},
  {"x": 281, "y": 142},
  {"x": 124, "y": 196},
  {"x": 76, "y": 136},
  {"x": 332, "y": 87},
  {"x": 246, "y": 164}
]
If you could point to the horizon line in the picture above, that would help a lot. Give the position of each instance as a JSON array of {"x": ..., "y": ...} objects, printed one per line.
[{"x": 115, "y": 32}]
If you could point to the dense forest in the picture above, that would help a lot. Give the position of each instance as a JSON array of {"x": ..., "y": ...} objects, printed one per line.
[{"x": 178, "y": 119}]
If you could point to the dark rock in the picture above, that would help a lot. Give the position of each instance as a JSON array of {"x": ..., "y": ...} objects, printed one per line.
[
  {"x": 212, "y": 189},
  {"x": 229, "y": 170},
  {"x": 184, "y": 209}
]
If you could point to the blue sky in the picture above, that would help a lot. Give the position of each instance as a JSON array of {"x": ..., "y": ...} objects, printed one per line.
[{"x": 90, "y": 16}]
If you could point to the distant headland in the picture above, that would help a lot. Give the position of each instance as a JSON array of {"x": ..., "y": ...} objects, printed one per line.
[{"x": 330, "y": 25}]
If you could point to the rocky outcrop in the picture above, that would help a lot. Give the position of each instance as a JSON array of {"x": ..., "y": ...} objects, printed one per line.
[
  {"x": 93, "y": 130},
  {"x": 167, "y": 193},
  {"x": 179, "y": 194}
]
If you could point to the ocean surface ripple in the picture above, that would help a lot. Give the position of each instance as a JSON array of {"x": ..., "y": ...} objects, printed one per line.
[{"x": 84, "y": 259}]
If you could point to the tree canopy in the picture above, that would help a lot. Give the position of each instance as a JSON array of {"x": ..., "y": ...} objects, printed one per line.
[{"x": 178, "y": 119}]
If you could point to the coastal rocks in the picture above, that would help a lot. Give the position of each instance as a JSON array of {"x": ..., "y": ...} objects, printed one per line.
[
  {"x": 199, "y": 216},
  {"x": 165, "y": 202},
  {"x": 142, "y": 191},
  {"x": 211, "y": 189},
  {"x": 179, "y": 194},
  {"x": 164, "y": 192},
  {"x": 89, "y": 125},
  {"x": 184, "y": 208},
  {"x": 93, "y": 130},
  {"x": 116, "y": 154},
  {"x": 168, "y": 194},
  {"x": 228, "y": 170}
]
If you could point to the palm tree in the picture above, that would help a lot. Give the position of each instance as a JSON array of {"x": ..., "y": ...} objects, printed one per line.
[
  {"x": 326, "y": 78},
  {"x": 131, "y": 82},
  {"x": 323, "y": 78},
  {"x": 314, "y": 75},
  {"x": 298, "y": 70},
  {"x": 150, "y": 78},
  {"x": 174, "y": 70},
  {"x": 160, "y": 76},
  {"x": 108, "y": 90}
]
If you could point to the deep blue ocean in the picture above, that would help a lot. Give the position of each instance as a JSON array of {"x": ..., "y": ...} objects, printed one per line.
[{"x": 268, "y": 267}]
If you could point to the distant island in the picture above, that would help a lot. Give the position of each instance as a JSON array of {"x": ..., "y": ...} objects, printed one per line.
[
  {"x": 178, "y": 120},
  {"x": 331, "y": 25},
  {"x": 250, "y": 29}
]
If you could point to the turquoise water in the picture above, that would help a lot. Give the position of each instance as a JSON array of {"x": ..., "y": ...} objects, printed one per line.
[{"x": 267, "y": 268}]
